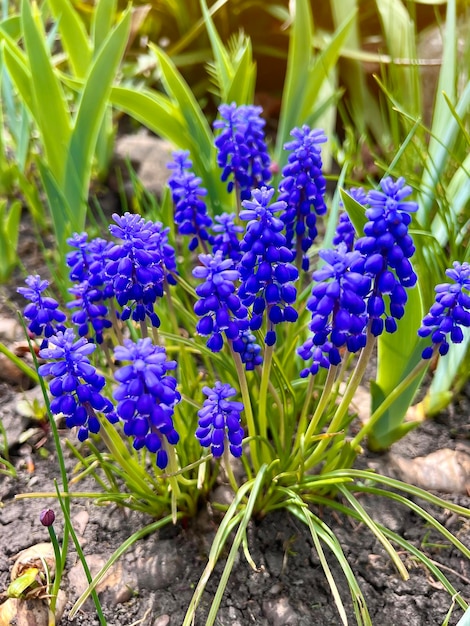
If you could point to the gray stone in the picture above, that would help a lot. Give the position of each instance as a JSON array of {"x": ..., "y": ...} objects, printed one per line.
[{"x": 280, "y": 613}]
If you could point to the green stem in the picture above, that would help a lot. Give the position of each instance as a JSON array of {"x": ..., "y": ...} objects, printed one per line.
[
  {"x": 389, "y": 400},
  {"x": 250, "y": 421},
  {"x": 321, "y": 406},
  {"x": 263, "y": 392},
  {"x": 58, "y": 568},
  {"x": 229, "y": 470},
  {"x": 336, "y": 423}
]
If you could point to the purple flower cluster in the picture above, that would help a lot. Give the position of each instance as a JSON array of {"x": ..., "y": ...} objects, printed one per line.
[
  {"x": 75, "y": 384},
  {"x": 226, "y": 236},
  {"x": 45, "y": 317},
  {"x": 147, "y": 396},
  {"x": 303, "y": 188},
  {"x": 219, "y": 420},
  {"x": 190, "y": 209},
  {"x": 242, "y": 151},
  {"x": 450, "y": 312},
  {"x": 338, "y": 308},
  {"x": 266, "y": 269},
  {"x": 219, "y": 307},
  {"x": 139, "y": 265},
  {"x": 357, "y": 277}
]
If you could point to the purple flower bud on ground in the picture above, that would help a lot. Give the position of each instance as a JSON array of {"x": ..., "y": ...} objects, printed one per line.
[
  {"x": 266, "y": 268},
  {"x": 242, "y": 151},
  {"x": 43, "y": 313},
  {"x": 303, "y": 189},
  {"x": 75, "y": 384},
  {"x": 190, "y": 210},
  {"x": 147, "y": 397},
  {"x": 219, "y": 420},
  {"x": 47, "y": 517},
  {"x": 450, "y": 312}
]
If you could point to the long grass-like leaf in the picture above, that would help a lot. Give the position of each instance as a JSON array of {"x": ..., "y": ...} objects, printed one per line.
[
  {"x": 90, "y": 113},
  {"x": 101, "y": 21},
  {"x": 195, "y": 120},
  {"x": 53, "y": 121},
  {"x": 74, "y": 37},
  {"x": 247, "y": 513}
]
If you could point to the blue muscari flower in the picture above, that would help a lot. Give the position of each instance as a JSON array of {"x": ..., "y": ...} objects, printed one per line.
[
  {"x": 75, "y": 385},
  {"x": 88, "y": 262},
  {"x": 147, "y": 397},
  {"x": 338, "y": 308},
  {"x": 345, "y": 232},
  {"x": 186, "y": 191},
  {"x": 165, "y": 251},
  {"x": 242, "y": 151},
  {"x": 91, "y": 311},
  {"x": 388, "y": 246},
  {"x": 219, "y": 307},
  {"x": 249, "y": 350},
  {"x": 226, "y": 237},
  {"x": 265, "y": 268},
  {"x": 303, "y": 188},
  {"x": 45, "y": 317},
  {"x": 136, "y": 267},
  {"x": 219, "y": 420},
  {"x": 450, "y": 312}
]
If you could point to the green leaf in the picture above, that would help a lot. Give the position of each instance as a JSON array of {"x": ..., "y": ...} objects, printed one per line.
[
  {"x": 74, "y": 37},
  {"x": 356, "y": 212},
  {"x": 102, "y": 20},
  {"x": 90, "y": 113},
  {"x": 20, "y": 74},
  {"x": 156, "y": 111},
  {"x": 306, "y": 74},
  {"x": 58, "y": 205},
  {"x": 398, "y": 354},
  {"x": 196, "y": 123},
  {"x": 22, "y": 583},
  {"x": 53, "y": 120}
]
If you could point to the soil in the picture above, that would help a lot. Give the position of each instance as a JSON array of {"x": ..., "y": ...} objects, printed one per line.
[{"x": 154, "y": 580}]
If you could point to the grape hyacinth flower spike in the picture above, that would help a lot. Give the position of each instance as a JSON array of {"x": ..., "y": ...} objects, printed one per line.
[
  {"x": 450, "y": 312},
  {"x": 75, "y": 384},
  {"x": 147, "y": 397},
  {"x": 388, "y": 246},
  {"x": 190, "y": 209},
  {"x": 219, "y": 421},
  {"x": 136, "y": 267},
  {"x": 338, "y": 307},
  {"x": 45, "y": 317},
  {"x": 242, "y": 151},
  {"x": 266, "y": 269},
  {"x": 219, "y": 307},
  {"x": 303, "y": 188}
]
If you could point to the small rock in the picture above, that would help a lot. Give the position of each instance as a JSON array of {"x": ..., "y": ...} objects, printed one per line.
[
  {"x": 149, "y": 156},
  {"x": 10, "y": 330},
  {"x": 280, "y": 613},
  {"x": 161, "y": 620},
  {"x": 158, "y": 571},
  {"x": 21, "y": 612},
  {"x": 12, "y": 374},
  {"x": 80, "y": 521}
]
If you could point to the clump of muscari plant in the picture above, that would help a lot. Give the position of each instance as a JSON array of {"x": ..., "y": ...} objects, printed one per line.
[{"x": 243, "y": 359}]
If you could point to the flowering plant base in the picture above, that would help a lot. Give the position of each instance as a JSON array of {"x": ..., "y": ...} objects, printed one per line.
[{"x": 289, "y": 583}]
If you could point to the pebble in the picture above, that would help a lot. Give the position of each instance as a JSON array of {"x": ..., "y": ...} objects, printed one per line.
[
  {"x": 280, "y": 613},
  {"x": 161, "y": 620}
]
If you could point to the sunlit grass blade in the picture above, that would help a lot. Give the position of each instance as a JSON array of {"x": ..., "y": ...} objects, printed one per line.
[
  {"x": 101, "y": 21},
  {"x": 53, "y": 121},
  {"x": 90, "y": 113},
  {"x": 230, "y": 518},
  {"x": 74, "y": 37},
  {"x": 245, "y": 518}
]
